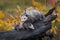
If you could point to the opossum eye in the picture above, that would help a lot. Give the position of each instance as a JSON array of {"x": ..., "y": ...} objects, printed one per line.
[{"x": 26, "y": 15}]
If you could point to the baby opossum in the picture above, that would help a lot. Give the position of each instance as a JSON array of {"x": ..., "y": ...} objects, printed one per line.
[{"x": 26, "y": 24}]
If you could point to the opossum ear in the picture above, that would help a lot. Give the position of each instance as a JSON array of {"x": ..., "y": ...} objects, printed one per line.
[
  {"x": 25, "y": 11},
  {"x": 26, "y": 15}
]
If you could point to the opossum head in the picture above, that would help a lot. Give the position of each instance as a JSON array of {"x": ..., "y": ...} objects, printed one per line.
[{"x": 24, "y": 18}]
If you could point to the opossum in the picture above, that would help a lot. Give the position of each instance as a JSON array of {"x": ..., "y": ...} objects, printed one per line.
[{"x": 28, "y": 17}]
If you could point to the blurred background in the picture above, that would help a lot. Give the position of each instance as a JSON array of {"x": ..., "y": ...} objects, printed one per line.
[{"x": 10, "y": 10}]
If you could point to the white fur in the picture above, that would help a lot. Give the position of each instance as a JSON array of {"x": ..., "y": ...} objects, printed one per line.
[
  {"x": 23, "y": 18},
  {"x": 32, "y": 27},
  {"x": 33, "y": 13}
]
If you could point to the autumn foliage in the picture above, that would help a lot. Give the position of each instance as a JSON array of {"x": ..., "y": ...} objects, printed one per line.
[{"x": 10, "y": 22}]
